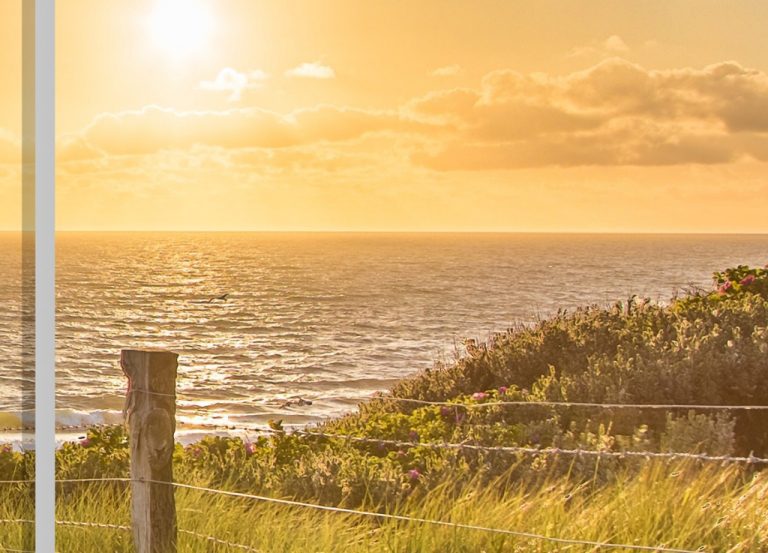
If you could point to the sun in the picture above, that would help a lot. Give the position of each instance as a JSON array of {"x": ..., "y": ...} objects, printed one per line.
[{"x": 181, "y": 28}]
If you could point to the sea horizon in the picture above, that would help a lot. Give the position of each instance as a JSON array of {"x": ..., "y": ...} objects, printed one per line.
[
  {"x": 330, "y": 317},
  {"x": 425, "y": 232}
]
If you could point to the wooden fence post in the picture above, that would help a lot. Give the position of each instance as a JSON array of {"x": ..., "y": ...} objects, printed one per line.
[{"x": 150, "y": 413}]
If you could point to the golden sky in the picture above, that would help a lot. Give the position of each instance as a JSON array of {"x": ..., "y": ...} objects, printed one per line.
[{"x": 647, "y": 115}]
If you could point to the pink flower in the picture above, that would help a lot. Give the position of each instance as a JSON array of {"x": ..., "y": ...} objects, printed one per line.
[
  {"x": 446, "y": 411},
  {"x": 747, "y": 280},
  {"x": 414, "y": 474},
  {"x": 479, "y": 396},
  {"x": 503, "y": 390},
  {"x": 724, "y": 287},
  {"x": 250, "y": 449},
  {"x": 85, "y": 442}
]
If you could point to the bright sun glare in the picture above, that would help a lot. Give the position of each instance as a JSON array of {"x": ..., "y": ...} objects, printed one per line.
[{"x": 180, "y": 27}]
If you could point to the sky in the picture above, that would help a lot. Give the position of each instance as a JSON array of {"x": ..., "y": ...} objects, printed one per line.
[{"x": 438, "y": 115}]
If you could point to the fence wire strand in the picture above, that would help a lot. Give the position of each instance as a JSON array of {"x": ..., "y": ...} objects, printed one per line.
[
  {"x": 544, "y": 451},
  {"x": 403, "y": 518},
  {"x": 370, "y": 514},
  {"x": 103, "y": 525},
  {"x": 109, "y": 526},
  {"x": 219, "y": 541},
  {"x": 751, "y": 459},
  {"x": 4, "y": 548},
  {"x": 663, "y": 406},
  {"x": 399, "y": 443},
  {"x": 486, "y": 405},
  {"x": 518, "y": 403}
]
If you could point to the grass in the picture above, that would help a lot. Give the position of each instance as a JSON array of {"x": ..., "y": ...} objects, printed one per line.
[{"x": 680, "y": 505}]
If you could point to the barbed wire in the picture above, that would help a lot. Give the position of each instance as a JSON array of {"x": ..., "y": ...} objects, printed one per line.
[
  {"x": 404, "y": 518},
  {"x": 545, "y": 451},
  {"x": 751, "y": 459},
  {"x": 104, "y": 525},
  {"x": 63, "y": 427},
  {"x": 86, "y": 480},
  {"x": 389, "y": 516},
  {"x": 355, "y": 512},
  {"x": 15, "y": 521},
  {"x": 486, "y": 405},
  {"x": 658, "y": 406},
  {"x": 507, "y": 449},
  {"x": 110, "y": 526},
  {"x": 662, "y": 406},
  {"x": 219, "y": 541}
]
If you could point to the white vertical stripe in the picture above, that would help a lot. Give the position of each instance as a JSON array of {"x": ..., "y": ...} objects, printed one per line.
[{"x": 45, "y": 314}]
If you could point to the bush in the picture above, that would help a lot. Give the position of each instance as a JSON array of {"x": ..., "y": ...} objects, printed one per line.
[{"x": 708, "y": 348}]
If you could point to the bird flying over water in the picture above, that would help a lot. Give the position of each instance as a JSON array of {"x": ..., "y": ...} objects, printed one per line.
[{"x": 222, "y": 297}]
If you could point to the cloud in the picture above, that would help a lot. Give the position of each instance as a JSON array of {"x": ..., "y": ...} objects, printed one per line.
[
  {"x": 611, "y": 46},
  {"x": 614, "y": 113},
  {"x": 444, "y": 105},
  {"x": 725, "y": 94},
  {"x": 313, "y": 70},
  {"x": 153, "y": 128},
  {"x": 615, "y": 44},
  {"x": 622, "y": 146},
  {"x": 447, "y": 71},
  {"x": 299, "y": 159},
  {"x": 234, "y": 82},
  {"x": 73, "y": 147}
]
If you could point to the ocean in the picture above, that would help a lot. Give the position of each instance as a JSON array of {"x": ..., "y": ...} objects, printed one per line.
[{"x": 327, "y": 317}]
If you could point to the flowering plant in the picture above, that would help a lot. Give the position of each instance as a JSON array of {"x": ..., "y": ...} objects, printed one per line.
[{"x": 742, "y": 279}]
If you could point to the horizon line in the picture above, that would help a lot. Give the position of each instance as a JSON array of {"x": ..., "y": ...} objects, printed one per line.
[{"x": 403, "y": 231}]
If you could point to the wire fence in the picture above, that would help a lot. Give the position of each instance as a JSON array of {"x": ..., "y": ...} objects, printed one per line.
[
  {"x": 121, "y": 527},
  {"x": 466, "y": 445},
  {"x": 459, "y": 405},
  {"x": 353, "y": 512},
  {"x": 389, "y": 516},
  {"x": 653, "y": 406},
  {"x": 60, "y": 428},
  {"x": 624, "y": 454},
  {"x": 529, "y": 403},
  {"x": 4, "y": 548}
]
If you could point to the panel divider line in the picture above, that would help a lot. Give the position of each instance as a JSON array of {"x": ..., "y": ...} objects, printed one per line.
[{"x": 45, "y": 292}]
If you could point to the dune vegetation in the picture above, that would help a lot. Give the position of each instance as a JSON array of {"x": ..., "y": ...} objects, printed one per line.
[{"x": 701, "y": 348}]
